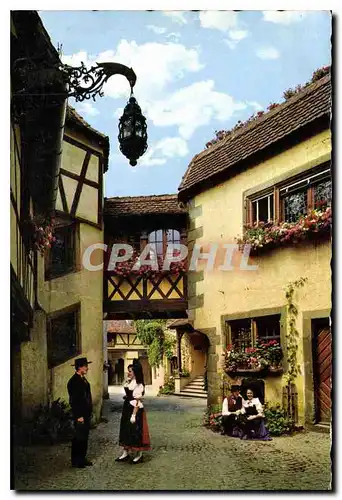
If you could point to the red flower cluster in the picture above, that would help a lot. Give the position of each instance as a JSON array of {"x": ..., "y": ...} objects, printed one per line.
[
  {"x": 268, "y": 234},
  {"x": 41, "y": 231},
  {"x": 126, "y": 268}
]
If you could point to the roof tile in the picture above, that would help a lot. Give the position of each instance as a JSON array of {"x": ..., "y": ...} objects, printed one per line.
[
  {"x": 142, "y": 205},
  {"x": 303, "y": 108}
]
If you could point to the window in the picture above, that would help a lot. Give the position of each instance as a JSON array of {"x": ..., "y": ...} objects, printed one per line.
[
  {"x": 297, "y": 198},
  {"x": 244, "y": 333},
  {"x": 322, "y": 193},
  {"x": 291, "y": 200},
  {"x": 63, "y": 340},
  {"x": 268, "y": 328},
  {"x": 157, "y": 238},
  {"x": 162, "y": 237},
  {"x": 262, "y": 208},
  {"x": 62, "y": 256},
  {"x": 241, "y": 333}
]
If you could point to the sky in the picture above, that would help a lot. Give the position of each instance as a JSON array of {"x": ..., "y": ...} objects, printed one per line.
[{"x": 197, "y": 72}]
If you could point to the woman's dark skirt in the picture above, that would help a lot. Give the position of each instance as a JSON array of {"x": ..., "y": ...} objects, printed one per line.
[{"x": 135, "y": 436}]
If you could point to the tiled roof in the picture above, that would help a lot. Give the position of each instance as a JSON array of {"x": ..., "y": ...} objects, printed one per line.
[
  {"x": 120, "y": 326},
  {"x": 142, "y": 205},
  {"x": 72, "y": 117},
  {"x": 302, "y": 109}
]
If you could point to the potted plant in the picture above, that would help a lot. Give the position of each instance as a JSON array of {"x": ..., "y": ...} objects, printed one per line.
[{"x": 272, "y": 353}]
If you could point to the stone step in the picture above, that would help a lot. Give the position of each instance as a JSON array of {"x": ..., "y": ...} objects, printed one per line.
[
  {"x": 195, "y": 384},
  {"x": 197, "y": 391}
]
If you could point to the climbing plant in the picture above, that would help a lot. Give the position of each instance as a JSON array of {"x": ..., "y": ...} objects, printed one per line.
[
  {"x": 152, "y": 334},
  {"x": 292, "y": 334}
]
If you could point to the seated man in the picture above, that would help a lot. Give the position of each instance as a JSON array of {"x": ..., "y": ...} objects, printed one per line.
[{"x": 231, "y": 409}]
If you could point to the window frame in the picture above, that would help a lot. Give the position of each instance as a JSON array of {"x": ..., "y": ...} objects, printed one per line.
[
  {"x": 165, "y": 240},
  {"x": 57, "y": 315},
  {"x": 74, "y": 266},
  {"x": 254, "y": 329},
  {"x": 323, "y": 172}
]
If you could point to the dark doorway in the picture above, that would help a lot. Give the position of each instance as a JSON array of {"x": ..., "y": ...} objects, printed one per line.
[
  {"x": 120, "y": 371},
  {"x": 322, "y": 369}
]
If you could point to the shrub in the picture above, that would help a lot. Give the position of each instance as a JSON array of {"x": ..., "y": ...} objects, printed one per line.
[
  {"x": 168, "y": 387},
  {"x": 277, "y": 421},
  {"x": 212, "y": 418},
  {"x": 185, "y": 373},
  {"x": 50, "y": 423}
]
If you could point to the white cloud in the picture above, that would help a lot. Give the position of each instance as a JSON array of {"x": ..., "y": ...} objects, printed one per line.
[
  {"x": 268, "y": 53},
  {"x": 225, "y": 21},
  {"x": 178, "y": 17},
  {"x": 86, "y": 108},
  {"x": 174, "y": 36},
  {"x": 238, "y": 35},
  {"x": 156, "y": 65},
  {"x": 192, "y": 107},
  {"x": 254, "y": 104},
  {"x": 283, "y": 17},
  {"x": 235, "y": 37},
  {"x": 219, "y": 20},
  {"x": 159, "y": 153},
  {"x": 158, "y": 30},
  {"x": 187, "y": 108}
]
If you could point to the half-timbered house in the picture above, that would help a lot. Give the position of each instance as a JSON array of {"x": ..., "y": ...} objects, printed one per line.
[
  {"x": 57, "y": 167},
  {"x": 137, "y": 221},
  {"x": 38, "y": 106}
]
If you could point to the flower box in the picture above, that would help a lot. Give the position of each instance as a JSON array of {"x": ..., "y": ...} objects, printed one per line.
[
  {"x": 263, "y": 236},
  {"x": 265, "y": 357}
]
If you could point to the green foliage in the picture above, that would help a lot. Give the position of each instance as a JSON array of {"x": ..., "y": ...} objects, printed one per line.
[
  {"x": 184, "y": 373},
  {"x": 277, "y": 421},
  {"x": 169, "y": 344},
  {"x": 155, "y": 352},
  {"x": 147, "y": 330},
  {"x": 168, "y": 387},
  {"x": 292, "y": 334},
  {"x": 151, "y": 334},
  {"x": 50, "y": 423}
]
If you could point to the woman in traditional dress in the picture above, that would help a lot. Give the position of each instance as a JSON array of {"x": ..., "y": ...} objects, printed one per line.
[
  {"x": 252, "y": 419},
  {"x": 134, "y": 435}
]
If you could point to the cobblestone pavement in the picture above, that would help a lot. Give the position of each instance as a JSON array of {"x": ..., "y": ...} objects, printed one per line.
[{"x": 184, "y": 456}]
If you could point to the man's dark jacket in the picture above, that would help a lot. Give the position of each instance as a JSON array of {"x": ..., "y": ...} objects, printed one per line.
[{"x": 80, "y": 397}]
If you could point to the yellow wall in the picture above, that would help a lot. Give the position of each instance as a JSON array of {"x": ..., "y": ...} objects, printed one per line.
[
  {"x": 83, "y": 287},
  {"x": 237, "y": 291}
]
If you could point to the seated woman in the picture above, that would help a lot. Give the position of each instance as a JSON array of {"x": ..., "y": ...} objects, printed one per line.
[
  {"x": 252, "y": 419},
  {"x": 231, "y": 409}
]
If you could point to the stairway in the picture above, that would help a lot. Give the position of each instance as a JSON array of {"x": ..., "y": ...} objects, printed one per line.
[{"x": 195, "y": 389}]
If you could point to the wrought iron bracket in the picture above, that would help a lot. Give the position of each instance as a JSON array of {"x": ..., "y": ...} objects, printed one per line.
[{"x": 86, "y": 83}]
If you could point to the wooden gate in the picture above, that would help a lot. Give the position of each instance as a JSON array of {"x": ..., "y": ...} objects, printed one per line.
[{"x": 322, "y": 370}]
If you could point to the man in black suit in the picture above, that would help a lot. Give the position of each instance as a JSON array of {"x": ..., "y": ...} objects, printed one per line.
[{"x": 81, "y": 406}]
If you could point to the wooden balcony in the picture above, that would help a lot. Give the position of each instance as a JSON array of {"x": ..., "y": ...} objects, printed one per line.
[{"x": 139, "y": 297}]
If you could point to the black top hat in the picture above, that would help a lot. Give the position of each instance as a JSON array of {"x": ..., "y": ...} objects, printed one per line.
[
  {"x": 81, "y": 362},
  {"x": 235, "y": 388}
]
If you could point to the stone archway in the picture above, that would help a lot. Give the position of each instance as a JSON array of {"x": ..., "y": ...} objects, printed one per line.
[{"x": 197, "y": 347}]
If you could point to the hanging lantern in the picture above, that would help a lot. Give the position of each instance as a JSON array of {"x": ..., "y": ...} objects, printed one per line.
[{"x": 132, "y": 132}]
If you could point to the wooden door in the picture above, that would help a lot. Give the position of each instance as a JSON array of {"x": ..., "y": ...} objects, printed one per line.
[{"x": 322, "y": 370}]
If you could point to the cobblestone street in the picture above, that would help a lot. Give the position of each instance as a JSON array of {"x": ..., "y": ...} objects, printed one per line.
[{"x": 184, "y": 456}]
